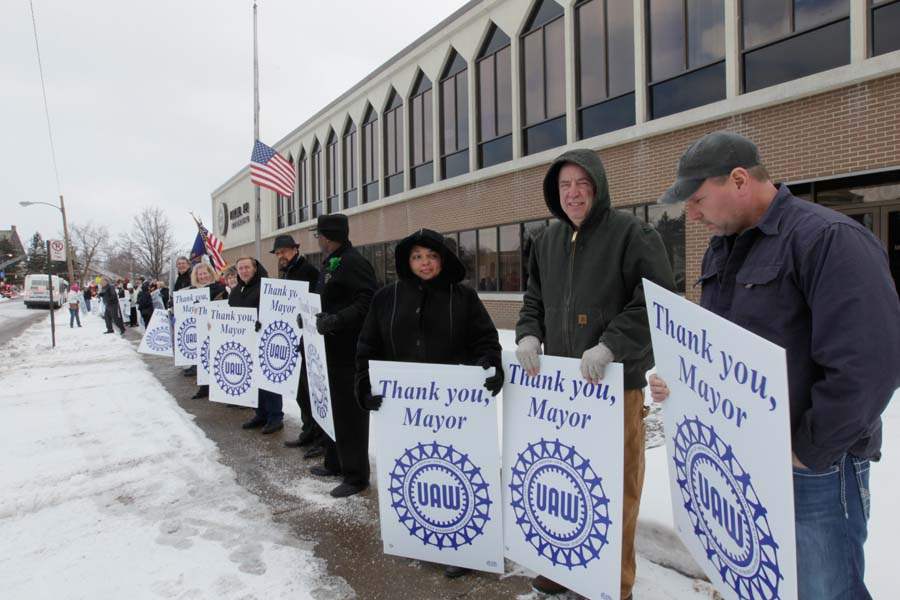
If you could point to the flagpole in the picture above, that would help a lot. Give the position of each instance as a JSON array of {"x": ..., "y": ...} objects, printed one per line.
[{"x": 257, "y": 220}]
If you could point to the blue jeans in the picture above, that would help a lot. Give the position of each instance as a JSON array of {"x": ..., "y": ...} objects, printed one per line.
[
  {"x": 831, "y": 510},
  {"x": 73, "y": 317}
]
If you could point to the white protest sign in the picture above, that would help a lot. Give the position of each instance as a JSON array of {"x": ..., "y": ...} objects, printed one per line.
[
  {"x": 279, "y": 337},
  {"x": 157, "y": 339},
  {"x": 729, "y": 447},
  {"x": 232, "y": 345},
  {"x": 125, "y": 306},
  {"x": 186, "y": 324},
  {"x": 437, "y": 464},
  {"x": 563, "y": 443},
  {"x": 201, "y": 314},
  {"x": 316, "y": 364},
  {"x": 57, "y": 250}
]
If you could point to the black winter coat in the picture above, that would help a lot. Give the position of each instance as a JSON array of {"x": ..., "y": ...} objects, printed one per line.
[
  {"x": 183, "y": 281},
  {"x": 217, "y": 291},
  {"x": 439, "y": 321},
  {"x": 144, "y": 300},
  {"x": 346, "y": 289},
  {"x": 165, "y": 296},
  {"x": 300, "y": 269},
  {"x": 246, "y": 295}
]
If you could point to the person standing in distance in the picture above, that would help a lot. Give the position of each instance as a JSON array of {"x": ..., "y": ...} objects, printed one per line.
[
  {"x": 585, "y": 300},
  {"x": 816, "y": 283},
  {"x": 346, "y": 285}
]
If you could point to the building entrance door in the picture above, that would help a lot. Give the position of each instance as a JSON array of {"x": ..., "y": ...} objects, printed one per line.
[{"x": 882, "y": 219}]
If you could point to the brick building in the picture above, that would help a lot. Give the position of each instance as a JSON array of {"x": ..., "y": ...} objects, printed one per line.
[{"x": 455, "y": 132}]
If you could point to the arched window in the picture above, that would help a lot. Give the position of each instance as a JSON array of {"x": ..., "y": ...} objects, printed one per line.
[
  {"x": 494, "y": 99},
  {"x": 393, "y": 144},
  {"x": 291, "y": 201},
  {"x": 454, "y": 117},
  {"x": 544, "y": 70},
  {"x": 316, "y": 179},
  {"x": 350, "y": 196},
  {"x": 605, "y": 66},
  {"x": 302, "y": 188},
  {"x": 369, "y": 158},
  {"x": 421, "y": 138},
  {"x": 331, "y": 173}
]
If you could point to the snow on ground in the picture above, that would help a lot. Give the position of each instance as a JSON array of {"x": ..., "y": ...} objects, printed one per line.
[{"x": 108, "y": 490}]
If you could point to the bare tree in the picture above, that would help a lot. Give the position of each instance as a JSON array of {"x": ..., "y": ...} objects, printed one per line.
[
  {"x": 119, "y": 256},
  {"x": 151, "y": 241},
  {"x": 89, "y": 241}
]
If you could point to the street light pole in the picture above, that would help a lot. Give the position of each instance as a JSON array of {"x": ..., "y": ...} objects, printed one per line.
[{"x": 61, "y": 208}]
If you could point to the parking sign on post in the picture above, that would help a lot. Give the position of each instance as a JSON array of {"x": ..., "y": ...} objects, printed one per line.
[{"x": 57, "y": 250}]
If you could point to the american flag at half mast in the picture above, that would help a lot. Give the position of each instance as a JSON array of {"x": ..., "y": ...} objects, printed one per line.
[{"x": 270, "y": 170}]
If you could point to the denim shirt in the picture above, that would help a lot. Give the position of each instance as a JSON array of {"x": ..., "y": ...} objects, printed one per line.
[{"x": 816, "y": 283}]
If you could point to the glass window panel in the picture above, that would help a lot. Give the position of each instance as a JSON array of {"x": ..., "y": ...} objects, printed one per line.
[
  {"x": 455, "y": 164},
  {"x": 417, "y": 132},
  {"x": 488, "y": 269},
  {"x": 545, "y": 12},
  {"x": 390, "y": 125},
  {"x": 448, "y": 116},
  {"x": 706, "y": 32},
  {"x": 696, "y": 88},
  {"x": 885, "y": 25},
  {"x": 496, "y": 40},
  {"x": 422, "y": 174},
  {"x": 504, "y": 92},
  {"x": 530, "y": 233},
  {"x": 765, "y": 20},
  {"x": 486, "y": 99},
  {"x": 809, "y": 13},
  {"x": 510, "y": 259},
  {"x": 591, "y": 52},
  {"x": 548, "y": 134},
  {"x": 534, "y": 77},
  {"x": 495, "y": 151},
  {"x": 462, "y": 110},
  {"x": 604, "y": 117},
  {"x": 428, "y": 140},
  {"x": 669, "y": 222},
  {"x": 456, "y": 65},
  {"x": 556, "y": 68},
  {"x": 666, "y": 38},
  {"x": 620, "y": 30},
  {"x": 467, "y": 252}
]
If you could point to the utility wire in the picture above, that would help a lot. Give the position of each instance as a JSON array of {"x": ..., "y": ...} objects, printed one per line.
[{"x": 37, "y": 49}]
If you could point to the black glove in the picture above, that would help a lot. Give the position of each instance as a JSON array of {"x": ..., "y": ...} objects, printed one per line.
[
  {"x": 299, "y": 321},
  {"x": 371, "y": 402},
  {"x": 257, "y": 326},
  {"x": 494, "y": 383},
  {"x": 327, "y": 323}
]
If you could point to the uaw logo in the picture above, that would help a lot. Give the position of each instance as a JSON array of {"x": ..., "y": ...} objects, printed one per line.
[
  {"x": 159, "y": 339},
  {"x": 187, "y": 338},
  {"x": 559, "y": 503},
  {"x": 317, "y": 375},
  {"x": 233, "y": 368},
  {"x": 439, "y": 495},
  {"x": 727, "y": 516},
  {"x": 277, "y": 354}
]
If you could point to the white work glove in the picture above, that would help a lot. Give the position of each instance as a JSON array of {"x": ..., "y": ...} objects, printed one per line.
[
  {"x": 594, "y": 361},
  {"x": 527, "y": 353}
]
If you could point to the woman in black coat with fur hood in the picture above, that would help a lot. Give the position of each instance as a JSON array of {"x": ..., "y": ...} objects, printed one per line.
[{"x": 427, "y": 316}]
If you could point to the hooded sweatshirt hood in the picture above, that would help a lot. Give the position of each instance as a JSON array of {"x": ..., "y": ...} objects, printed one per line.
[
  {"x": 590, "y": 162},
  {"x": 452, "y": 268}
]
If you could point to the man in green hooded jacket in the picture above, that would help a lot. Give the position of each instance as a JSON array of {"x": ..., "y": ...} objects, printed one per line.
[{"x": 585, "y": 300}]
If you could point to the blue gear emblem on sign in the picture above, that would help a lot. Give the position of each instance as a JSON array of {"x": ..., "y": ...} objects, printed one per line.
[
  {"x": 187, "y": 338},
  {"x": 727, "y": 516},
  {"x": 439, "y": 495},
  {"x": 233, "y": 368},
  {"x": 204, "y": 354},
  {"x": 159, "y": 339},
  {"x": 559, "y": 503},
  {"x": 277, "y": 357},
  {"x": 317, "y": 375}
]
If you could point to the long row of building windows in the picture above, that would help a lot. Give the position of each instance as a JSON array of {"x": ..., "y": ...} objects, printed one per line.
[{"x": 780, "y": 40}]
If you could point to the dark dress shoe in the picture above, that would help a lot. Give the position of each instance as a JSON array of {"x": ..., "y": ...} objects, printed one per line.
[
  {"x": 314, "y": 452},
  {"x": 348, "y": 489},
  {"x": 452, "y": 572},
  {"x": 293, "y": 443},
  {"x": 273, "y": 427},
  {"x": 306, "y": 437},
  {"x": 254, "y": 423},
  {"x": 189, "y": 372},
  {"x": 321, "y": 471},
  {"x": 547, "y": 586},
  {"x": 202, "y": 392}
]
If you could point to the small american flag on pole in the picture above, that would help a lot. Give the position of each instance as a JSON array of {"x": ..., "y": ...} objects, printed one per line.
[
  {"x": 270, "y": 170},
  {"x": 213, "y": 246}
]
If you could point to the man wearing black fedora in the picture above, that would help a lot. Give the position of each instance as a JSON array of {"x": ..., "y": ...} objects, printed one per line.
[
  {"x": 294, "y": 266},
  {"x": 346, "y": 285}
]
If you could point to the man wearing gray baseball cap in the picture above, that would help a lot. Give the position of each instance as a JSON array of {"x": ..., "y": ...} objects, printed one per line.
[{"x": 816, "y": 283}]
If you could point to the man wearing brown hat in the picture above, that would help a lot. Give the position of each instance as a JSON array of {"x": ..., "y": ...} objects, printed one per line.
[
  {"x": 293, "y": 266},
  {"x": 816, "y": 283},
  {"x": 346, "y": 285}
]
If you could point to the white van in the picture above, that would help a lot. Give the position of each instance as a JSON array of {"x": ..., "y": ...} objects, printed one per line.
[{"x": 37, "y": 293}]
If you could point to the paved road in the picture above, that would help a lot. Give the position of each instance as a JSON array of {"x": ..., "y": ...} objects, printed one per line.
[{"x": 15, "y": 318}]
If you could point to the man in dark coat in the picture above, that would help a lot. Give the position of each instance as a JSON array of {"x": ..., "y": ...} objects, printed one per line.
[
  {"x": 145, "y": 303},
  {"x": 294, "y": 266},
  {"x": 111, "y": 312},
  {"x": 183, "y": 280},
  {"x": 346, "y": 284},
  {"x": 268, "y": 410},
  {"x": 585, "y": 300}
]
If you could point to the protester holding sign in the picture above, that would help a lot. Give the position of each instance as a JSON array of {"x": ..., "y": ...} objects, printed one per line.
[
  {"x": 816, "y": 283},
  {"x": 268, "y": 411},
  {"x": 111, "y": 313},
  {"x": 585, "y": 300},
  {"x": 346, "y": 284},
  {"x": 427, "y": 316},
  {"x": 203, "y": 276},
  {"x": 293, "y": 266}
]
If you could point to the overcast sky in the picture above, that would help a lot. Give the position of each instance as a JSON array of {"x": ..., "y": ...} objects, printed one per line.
[{"x": 151, "y": 102}]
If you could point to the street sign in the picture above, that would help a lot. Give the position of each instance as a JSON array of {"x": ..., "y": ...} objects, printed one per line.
[{"x": 57, "y": 250}]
